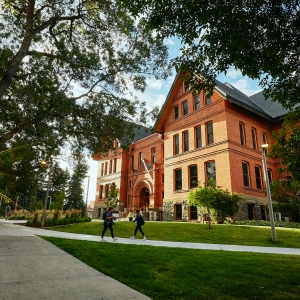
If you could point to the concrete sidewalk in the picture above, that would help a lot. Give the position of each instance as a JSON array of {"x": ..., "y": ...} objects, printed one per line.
[{"x": 32, "y": 268}]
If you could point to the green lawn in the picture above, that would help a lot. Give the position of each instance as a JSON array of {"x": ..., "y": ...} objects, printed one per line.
[
  {"x": 195, "y": 232},
  {"x": 187, "y": 274}
]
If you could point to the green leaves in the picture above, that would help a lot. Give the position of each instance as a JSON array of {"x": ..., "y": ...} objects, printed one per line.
[
  {"x": 63, "y": 61},
  {"x": 224, "y": 203},
  {"x": 260, "y": 38}
]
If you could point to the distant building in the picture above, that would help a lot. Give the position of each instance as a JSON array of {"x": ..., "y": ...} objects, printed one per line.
[{"x": 197, "y": 137}]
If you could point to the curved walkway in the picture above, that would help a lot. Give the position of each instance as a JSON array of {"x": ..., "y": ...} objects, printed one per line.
[{"x": 202, "y": 246}]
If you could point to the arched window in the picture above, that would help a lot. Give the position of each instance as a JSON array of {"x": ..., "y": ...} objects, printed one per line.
[{"x": 211, "y": 171}]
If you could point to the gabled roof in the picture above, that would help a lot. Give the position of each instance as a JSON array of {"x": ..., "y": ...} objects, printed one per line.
[
  {"x": 266, "y": 108},
  {"x": 274, "y": 109},
  {"x": 141, "y": 132}
]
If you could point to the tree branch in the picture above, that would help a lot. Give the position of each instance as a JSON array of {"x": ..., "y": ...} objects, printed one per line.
[{"x": 14, "y": 64}]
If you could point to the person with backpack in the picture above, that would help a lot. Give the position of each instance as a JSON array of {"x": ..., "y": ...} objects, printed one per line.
[
  {"x": 139, "y": 223},
  {"x": 7, "y": 212},
  {"x": 108, "y": 223}
]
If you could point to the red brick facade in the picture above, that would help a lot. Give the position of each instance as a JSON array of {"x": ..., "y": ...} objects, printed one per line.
[{"x": 218, "y": 136}]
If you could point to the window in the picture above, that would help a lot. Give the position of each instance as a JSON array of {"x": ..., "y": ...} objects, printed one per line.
[
  {"x": 178, "y": 212},
  {"x": 185, "y": 138},
  {"x": 102, "y": 169},
  {"x": 198, "y": 138},
  {"x": 254, "y": 139},
  {"x": 176, "y": 144},
  {"x": 193, "y": 213},
  {"x": 162, "y": 178},
  {"x": 101, "y": 192},
  {"x": 258, "y": 177},
  {"x": 115, "y": 165},
  {"x": 211, "y": 171},
  {"x": 110, "y": 166},
  {"x": 153, "y": 155},
  {"x": 106, "y": 190},
  {"x": 242, "y": 133},
  {"x": 263, "y": 212},
  {"x": 265, "y": 141},
  {"x": 129, "y": 183},
  {"x": 132, "y": 162},
  {"x": 193, "y": 174},
  {"x": 245, "y": 168},
  {"x": 186, "y": 87},
  {"x": 197, "y": 102},
  {"x": 209, "y": 133},
  {"x": 140, "y": 158},
  {"x": 269, "y": 175},
  {"x": 207, "y": 99},
  {"x": 106, "y": 164},
  {"x": 185, "y": 108},
  {"x": 162, "y": 196},
  {"x": 176, "y": 112},
  {"x": 178, "y": 180},
  {"x": 251, "y": 211}
]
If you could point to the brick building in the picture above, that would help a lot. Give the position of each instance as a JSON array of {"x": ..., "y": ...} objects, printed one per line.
[{"x": 197, "y": 137}]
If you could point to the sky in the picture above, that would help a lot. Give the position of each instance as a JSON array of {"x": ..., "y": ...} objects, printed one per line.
[{"x": 155, "y": 95}]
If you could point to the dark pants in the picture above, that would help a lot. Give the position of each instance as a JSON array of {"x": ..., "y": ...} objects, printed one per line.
[
  {"x": 138, "y": 227},
  {"x": 110, "y": 226}
]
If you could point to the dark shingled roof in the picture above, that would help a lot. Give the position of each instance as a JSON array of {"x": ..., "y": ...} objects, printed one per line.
[
  {"x": 141, "y": 132},
  {"x": 255, "y": 103},
  {"x": 274, "y": 109}
]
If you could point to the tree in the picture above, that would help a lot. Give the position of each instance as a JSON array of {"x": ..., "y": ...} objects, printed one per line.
[
  {"x": 222, "y": 202},
  {"x": 67, "y": 70},
  {"x": 260, "y": 38},
  {"x": 74, "y": 197},
  {"x": 226, "y": 204},
  {"x": 203, "y": 196},
  {"x": 286, "y": 194},
  {"x": 112, "y": 196},
  {"x": 287, "y": 145},
  {"x": 58, "y": 200}
]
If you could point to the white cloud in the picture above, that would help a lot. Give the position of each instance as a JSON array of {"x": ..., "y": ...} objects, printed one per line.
[
  {"x": 154, "y": 84},
  {"x": 244, "y": 85},
  {"x": 234, "y": 73},
  {"x": 169, "y": 41}
]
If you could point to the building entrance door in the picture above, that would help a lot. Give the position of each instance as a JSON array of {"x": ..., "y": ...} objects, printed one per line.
[{"x": 144, "y": 197}]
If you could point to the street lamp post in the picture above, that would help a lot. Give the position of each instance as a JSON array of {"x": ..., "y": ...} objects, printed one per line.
[
  {"x": 264, "y": 162},
  {"x": 43, "y": 164},
  {"x": 87, "y": 195}
]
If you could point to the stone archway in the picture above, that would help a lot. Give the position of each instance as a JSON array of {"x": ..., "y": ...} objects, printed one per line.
[{"x": 142, "y": 195}]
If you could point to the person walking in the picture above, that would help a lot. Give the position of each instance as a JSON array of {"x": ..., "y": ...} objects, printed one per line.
[
  {"x": 7, "y": 212},
  {"x": 139, "y": 223},
  {"x": 108, "y": 223}
]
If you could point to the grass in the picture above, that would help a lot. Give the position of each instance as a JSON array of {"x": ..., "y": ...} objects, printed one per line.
[
  {"x": 195, "y": 232},
  {"x": 171, "y": 273}
]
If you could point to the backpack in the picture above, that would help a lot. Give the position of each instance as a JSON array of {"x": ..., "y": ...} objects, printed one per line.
[{"x": 104, "y": 216}]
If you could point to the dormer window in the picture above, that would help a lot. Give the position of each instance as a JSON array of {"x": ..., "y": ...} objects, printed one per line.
[{"x": 186, "y": 87}]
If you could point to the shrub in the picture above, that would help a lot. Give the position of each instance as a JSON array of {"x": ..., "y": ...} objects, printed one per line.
[{"x": 267, "y": 223}]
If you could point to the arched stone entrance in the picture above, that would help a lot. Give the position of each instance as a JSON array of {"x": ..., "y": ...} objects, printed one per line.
[{"x": 143, "y": 195}]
